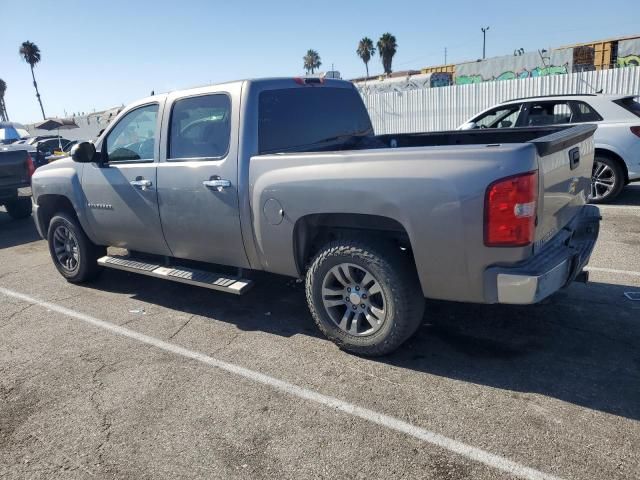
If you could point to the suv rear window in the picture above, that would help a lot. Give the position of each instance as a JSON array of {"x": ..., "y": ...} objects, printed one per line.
[
  {"x": 585, "y": 113},
  {"x": 298, "y": 118},
  {"x": 630, "y": 104}
]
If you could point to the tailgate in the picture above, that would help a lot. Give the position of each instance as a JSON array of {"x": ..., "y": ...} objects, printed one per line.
[
  {"x": 13, "y": 168},
  {"x": 565, "y": 161}
]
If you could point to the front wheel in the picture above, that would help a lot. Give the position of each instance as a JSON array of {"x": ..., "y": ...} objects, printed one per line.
[
  {"x": 364, "y": 297},
  {"x": 607, "y": 180},
  {"x": 19, "y": 208},
  {"x": 73, "y": 254}
]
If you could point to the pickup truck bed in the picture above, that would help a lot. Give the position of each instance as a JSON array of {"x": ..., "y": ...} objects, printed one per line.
[{"x": 286, "y": 176}]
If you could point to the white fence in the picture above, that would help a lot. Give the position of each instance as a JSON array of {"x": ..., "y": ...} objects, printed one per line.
[{"x": 445, "y": 108}]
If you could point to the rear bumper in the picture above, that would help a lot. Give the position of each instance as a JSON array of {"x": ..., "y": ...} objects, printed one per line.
[
  {"x": 11, "y": 192},
  {"x": 553, "y": 268}
]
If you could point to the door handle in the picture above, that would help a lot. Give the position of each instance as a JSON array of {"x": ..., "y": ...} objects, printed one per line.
[
  {"x": 574, "y": 158},
  {"x": 217, "y": 183},
  {"x": 141, "y": 183}
]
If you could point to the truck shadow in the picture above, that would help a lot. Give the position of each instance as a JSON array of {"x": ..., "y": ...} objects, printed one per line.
[
  {"x": 16, "y": 232},
  {"x": 581, "y": 346},
  {"x": 630, "y": 196}
]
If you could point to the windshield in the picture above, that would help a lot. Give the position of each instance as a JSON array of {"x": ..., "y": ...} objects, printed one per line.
[{"x": 295, "y": 118}]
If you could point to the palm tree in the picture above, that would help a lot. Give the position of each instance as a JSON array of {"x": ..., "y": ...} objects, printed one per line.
[
  {"x": 31, "y": 54},
  {"x": 311, "y": 61},
  {"x": 387, "y": 47},
  {"x": 365, "y": 51},
  {"x": 3, "y": 109}
]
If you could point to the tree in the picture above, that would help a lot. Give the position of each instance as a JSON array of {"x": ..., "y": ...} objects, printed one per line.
[
  {"x": 31, "y": 54},
  {"x": 311, "y": 61},
  {"x": 387, "y": 47},
  {"x": 3, "y": 109},
  {"x": 365, "y": 51}
]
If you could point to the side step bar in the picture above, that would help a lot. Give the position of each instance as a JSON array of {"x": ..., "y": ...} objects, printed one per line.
[{"x": 200, "y": 278}]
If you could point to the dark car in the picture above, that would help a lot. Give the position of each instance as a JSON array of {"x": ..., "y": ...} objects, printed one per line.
[{"x": 46, "y": 147}]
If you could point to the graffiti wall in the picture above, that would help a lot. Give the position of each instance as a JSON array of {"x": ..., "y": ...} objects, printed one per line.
[
  {"x": 511, "y": 67},
  {"x": 629, "y": 53}
]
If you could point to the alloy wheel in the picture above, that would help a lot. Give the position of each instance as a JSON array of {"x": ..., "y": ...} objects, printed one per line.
[
  {"x": 603, "y": 181},
  {"x": 353, "y": 298},
  {"x": 65, "y": 245}
]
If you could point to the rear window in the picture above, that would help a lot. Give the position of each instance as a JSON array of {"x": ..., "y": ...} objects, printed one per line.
[
  {"x": 296, "y": 118},
  {"x": 585, "y": 113},
  {"x": 630, "y": 104}
]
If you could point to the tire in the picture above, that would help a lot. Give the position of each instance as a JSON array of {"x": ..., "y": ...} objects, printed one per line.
[
  {"x": 19, "y": 208},
  {"x": 386, "y": 318},
  {"x": 607, "y": 180},
  {"x": 83, "y": 253}
]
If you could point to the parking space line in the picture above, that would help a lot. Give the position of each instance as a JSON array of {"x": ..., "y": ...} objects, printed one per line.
[
  {"x": 473, "y": 453},
  {"x": 613, "y": 270}
]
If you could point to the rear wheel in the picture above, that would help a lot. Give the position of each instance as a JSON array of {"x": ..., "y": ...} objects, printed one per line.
[
  {"x": 19, "y": 208},
  {"x": 607, "y": 180},
  {"x": 73, "y": 254},
  {"x": 364, "y": 297}
]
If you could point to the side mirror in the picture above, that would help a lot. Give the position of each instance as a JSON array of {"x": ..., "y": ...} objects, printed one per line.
[
  {"x": 469, "y": 126},
  {"x": 83, "y": 152}
]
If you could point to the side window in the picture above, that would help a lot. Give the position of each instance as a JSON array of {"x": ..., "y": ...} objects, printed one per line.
[
  {"x": 584, "y": 113},
  {"x": 503, "y": 117},
  {"x": 548, "y": 113},
  {"x": 200, "y": 127},
  {"x": 134, "y": 136}
]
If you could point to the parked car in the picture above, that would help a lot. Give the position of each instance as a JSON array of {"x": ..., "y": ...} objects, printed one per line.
[
  {"x": 45, "y": 148},
  {"x": 11, "y": 132},
  {"x": 287, "y": 176},
  {"x": 617, "y": 139},
  {"x": 16, "y": 170},
  {"x": 59, "y": 153}
]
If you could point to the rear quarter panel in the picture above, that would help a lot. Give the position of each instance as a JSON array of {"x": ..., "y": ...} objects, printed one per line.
[{"x": 435, "y": 193}]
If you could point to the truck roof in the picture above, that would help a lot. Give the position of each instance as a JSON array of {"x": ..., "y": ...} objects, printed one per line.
[{"x": 266, "y": 81}]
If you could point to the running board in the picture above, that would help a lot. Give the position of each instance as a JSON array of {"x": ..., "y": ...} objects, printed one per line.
[{"x": 191, "y": 276}]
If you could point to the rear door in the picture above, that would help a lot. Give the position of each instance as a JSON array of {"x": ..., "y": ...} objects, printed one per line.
[
  {"x": 121, "y": 195},
  {"x": 198, "y": 177}
]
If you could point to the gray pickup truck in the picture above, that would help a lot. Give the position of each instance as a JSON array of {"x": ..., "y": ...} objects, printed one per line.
[{"x": 286, "y": 176}]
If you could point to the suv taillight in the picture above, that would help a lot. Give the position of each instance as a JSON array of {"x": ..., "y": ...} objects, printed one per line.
[
  {"x": 31, "y": 168},
  {"x": 510, "y": 211},
  {"x": 635, "y": 131}
]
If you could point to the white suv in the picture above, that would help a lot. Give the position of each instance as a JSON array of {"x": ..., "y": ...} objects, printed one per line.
[{"x": 617, "y": 139}]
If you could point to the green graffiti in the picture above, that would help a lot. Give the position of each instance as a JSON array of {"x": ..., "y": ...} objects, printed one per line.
[
  {"x": 629, "y": 61},
  {"x": 510, "y": 75},
  {"x": 551, "y": 70},
  {"x": 469, "y": 79},
  {"x": 506, "y": 76}
]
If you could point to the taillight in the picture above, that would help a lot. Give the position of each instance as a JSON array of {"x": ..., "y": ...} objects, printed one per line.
[
  {"x": 31, "y": 168},
  {"x": 510, "y": 211},
  {"x": 635, "y": 131}
]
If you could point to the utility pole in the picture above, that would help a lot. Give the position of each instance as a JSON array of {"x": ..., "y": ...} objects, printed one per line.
[
  {"x": 484, "y": 42},
  {"x": 445, "y": 55}
]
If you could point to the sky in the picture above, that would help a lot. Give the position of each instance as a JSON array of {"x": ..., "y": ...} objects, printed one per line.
[{"x": 100, "y": 54}]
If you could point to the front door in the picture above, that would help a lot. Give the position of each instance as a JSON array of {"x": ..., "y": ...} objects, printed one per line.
[
  {"x": 197, "y": 179},
  {"x": 121, "y": 194}
]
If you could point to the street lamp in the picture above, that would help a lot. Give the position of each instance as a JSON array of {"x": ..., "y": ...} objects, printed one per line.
[{"x": 484, "y": 42}]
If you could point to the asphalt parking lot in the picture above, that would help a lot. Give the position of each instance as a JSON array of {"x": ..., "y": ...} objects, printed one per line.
[{"x": 203, "y": 384}]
